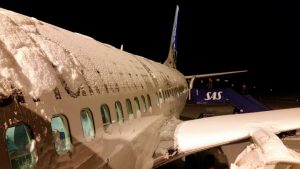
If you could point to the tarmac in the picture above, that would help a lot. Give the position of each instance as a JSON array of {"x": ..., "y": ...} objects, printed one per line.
[{"x": 193, "y": 111}]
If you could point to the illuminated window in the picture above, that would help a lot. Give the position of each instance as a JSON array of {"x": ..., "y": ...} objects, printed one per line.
[
  {"x": 129, "y": 108},
  {"x": 105, "y": 113},
  {"x": 119, "y": 111},
  {"x": 144, "y": 103},
  {"x": 136, "y": 104},
  {"x": 87, "y": 122},
  {"x": 20, "y": 147},
  {"x": 157, "y": 100},
  {"x": 149, "y": 101},
  {"x": 61, "y": 134},
  {"x": 160, "y": 97}
]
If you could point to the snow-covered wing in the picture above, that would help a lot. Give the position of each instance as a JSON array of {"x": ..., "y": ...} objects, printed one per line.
[{"x": 195, "y": 135}]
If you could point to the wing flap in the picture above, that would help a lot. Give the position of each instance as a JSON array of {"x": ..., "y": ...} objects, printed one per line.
[{"x": 273, "y": 148}]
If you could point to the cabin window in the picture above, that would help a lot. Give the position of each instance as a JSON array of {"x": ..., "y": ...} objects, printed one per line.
[
  {"x": 129, "y": 108},
  {"x": 105, "y": 113},
  {"x": 119, "y": 111},
  {"x": 149, "y": 101},
  {"x": 20, "y": 147},
  {"x": 87, "y": 122},
  {"x": 157, "y": 100},
  {"x": 160, "y": 97},
  {"x": 61, "y": 134},
  {"x": 136, "y": 104},
  {"x": 143, "y": 103}
]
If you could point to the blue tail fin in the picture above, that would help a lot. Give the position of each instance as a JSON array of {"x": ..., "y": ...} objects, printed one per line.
[{"x": 171, "y": 59}]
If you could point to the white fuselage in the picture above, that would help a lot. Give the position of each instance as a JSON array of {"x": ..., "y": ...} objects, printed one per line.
[{"x": 105, "y": 76}]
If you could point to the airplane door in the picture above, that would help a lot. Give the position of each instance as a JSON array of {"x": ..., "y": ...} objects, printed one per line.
[
  {"x": 16, "y": 137},
  {"x": 20, "y": 147},
  {"x": 4, "y": 158}
]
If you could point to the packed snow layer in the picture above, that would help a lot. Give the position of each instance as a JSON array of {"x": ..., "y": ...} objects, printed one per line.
[
  {"x": 195, "y": 135},
  {"x": 35, "y": 57},
  {"x": 28, "y": 60}
]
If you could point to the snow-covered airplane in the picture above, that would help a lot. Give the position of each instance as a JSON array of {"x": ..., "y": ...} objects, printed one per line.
[{"x": 68, "y": 101}]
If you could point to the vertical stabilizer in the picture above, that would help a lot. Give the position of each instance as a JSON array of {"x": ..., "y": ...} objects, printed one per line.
[{"x": 171, "y": 60}]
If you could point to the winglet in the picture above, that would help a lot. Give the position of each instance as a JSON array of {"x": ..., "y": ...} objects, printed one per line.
[{"x": 171, "y": 59}]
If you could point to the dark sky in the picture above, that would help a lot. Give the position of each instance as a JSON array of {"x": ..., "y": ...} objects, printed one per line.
[{"x": 212, "y": 36}]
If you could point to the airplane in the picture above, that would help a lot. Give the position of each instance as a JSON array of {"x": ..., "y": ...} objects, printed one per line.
[{"x": 69, "y": 101}]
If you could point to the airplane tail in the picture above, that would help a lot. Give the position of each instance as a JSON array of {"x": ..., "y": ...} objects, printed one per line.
[{"x": 172, "y": 56}]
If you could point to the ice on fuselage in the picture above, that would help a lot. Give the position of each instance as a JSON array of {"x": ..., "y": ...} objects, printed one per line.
[
  {"x": 36, "y": 57},
  {"x": 29, "y": 61}
]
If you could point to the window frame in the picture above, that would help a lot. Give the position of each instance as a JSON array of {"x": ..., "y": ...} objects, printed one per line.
[
  {"x": 129, "y": 108},
  {"x": 137, "y": 104},
  {"x": 67, "y": 135},
  {"x": 106, "y": 122},
  {"x": 149, "y": 102},
  {"x": 25, "y": 150},
  {"x": 91, "y": 123},
  {"x": 120, "y": 115},
  {"x": 144, "y": 103}
]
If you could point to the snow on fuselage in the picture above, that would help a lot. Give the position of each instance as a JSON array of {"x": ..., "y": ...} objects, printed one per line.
[{"x": 84, "y": 103}]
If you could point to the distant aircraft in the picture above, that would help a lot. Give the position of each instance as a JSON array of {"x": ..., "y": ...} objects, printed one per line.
[{"x": 68, "y": 101}]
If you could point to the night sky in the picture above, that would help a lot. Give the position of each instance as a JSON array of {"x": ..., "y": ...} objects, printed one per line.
[{"x": 212, "y": 36}]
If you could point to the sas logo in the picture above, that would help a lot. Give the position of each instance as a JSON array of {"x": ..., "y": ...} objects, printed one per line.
[{"x": 214, "y": 95}]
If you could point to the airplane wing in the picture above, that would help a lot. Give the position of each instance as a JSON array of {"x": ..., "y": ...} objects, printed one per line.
[
  {"x": 214, "y": 131},
  {"x": 191, "y": 78},
  {"x": 197, "y": 135},
  {"x": 214, "y": 74}
]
